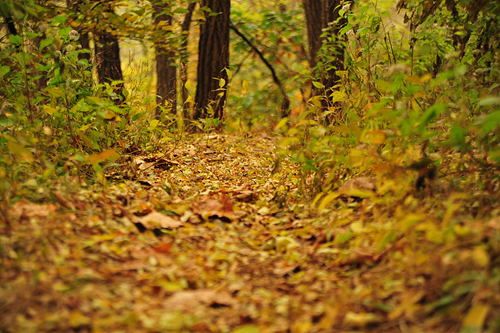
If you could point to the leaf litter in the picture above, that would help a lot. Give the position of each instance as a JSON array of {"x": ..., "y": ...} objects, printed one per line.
[{"x": 212, "y": 237}]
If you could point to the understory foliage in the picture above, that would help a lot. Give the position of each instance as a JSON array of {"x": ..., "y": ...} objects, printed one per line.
[{"x": 385, "y": 201}]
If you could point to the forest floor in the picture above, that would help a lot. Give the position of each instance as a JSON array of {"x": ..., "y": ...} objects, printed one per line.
[{"x": 211, "y": 235}]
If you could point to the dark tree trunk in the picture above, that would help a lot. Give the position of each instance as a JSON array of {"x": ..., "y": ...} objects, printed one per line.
[
  {"x": 11, "y": 27},
  {"x": 319, "y": 15},
  {"x": 314, "y": 12},
  {"x": 186, "y": 24},
  {"x": 213, "y": 58},
  {"x": 107, "y": 52},
  {"x": 166, "y": 71}
]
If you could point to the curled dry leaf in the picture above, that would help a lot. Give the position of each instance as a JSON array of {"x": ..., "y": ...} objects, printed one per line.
[
  {"x": 158, "y": 220},
  {"x": 220, "y": 207},
  {"x": 185, "y": 300},
  {"x": 359, "y": 183}
]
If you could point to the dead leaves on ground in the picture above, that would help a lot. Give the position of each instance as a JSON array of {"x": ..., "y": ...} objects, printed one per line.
[{"x": 217, "y": 252}]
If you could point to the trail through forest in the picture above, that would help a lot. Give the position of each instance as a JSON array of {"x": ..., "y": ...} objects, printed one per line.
[{"x": 214, "y": 235}]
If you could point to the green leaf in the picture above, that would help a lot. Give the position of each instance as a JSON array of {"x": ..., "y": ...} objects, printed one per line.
[
  {"x": 59, "y": 20},
  {"x": 494, "y": 155},
  {"x": 488, "y": 101},
  {"x": 318, "y": 85},
  {"x": 491, "y": 121},
  {"x": 431, "y": 114},
  {"x": 89, "y": 142},
  {"x": 4, "y": 70},
  {"x": 16, "y": 40},
  {"x": 457, "y": 137},
  {"x": 32, "y": 35},
  {"x": 64, "y": 33},
  {"x": 181, "y": 11}
]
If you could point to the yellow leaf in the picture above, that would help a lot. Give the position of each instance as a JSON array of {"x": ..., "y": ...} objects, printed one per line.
[
  {"x": 229, "y": 73},
  {"x": 301, "y": 327},
  {"x": 316, "y": 199},
  {"x": 56, "y": 92},
  {"x": 475, "y": 317},
  {"x": 326, "y": 200},
  {"x": 247, "y": 329},
  {"x": 357, "y": 227},
  {"x": 480, "y": 256},
  {"x": 461, "y": 230},
  {"x": 199, "y": 15},
  {"x": 281, "y": 123},
  {"x": 306, "y": 122},
  {"x": 367, "y": 106},
  {"x": 105, "y": 155},
  {"x": 77, "y": 319},
  {"x": 410, "y": 220},
  {"x": 50, "y": 110},
  {"x": 361, "y": 319},
  {"x": 316, "y": 100},
  {"x": 375, "y": 137},
  {"x": 96, "y": 100},
  {"x": 20, "y": 151}
]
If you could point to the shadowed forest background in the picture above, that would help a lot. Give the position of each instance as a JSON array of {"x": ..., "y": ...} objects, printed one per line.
[{"x": 250, "y": 166}]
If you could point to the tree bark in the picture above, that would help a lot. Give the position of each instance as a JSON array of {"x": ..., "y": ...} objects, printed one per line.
[
  {"x": 322, "y": 14},
  {"x": 166, "y": 70},
  {"x": 213, "y": 58},
  {"x": 107, "y": 52}
]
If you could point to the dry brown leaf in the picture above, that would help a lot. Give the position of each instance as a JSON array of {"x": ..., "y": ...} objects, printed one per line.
[
  {"x": 221, "y": 207},
  {"x": 359, "y": 183},
  {"x": 282, "y": 270},
  {"x": 158, "y": 220},
  {"x": 65, "y": 203},
  {"x": 185, "y": 300},
  {"x": 26, "y": 210}
]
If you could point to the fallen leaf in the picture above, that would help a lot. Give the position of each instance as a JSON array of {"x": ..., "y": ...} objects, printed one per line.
[
  {"x": 475, "y": 317},
  {"x": 220, "y": 207},
  {"x": 158, "y": 220},
  {"x": 77, "y": 319},
  {"x": 185, "y": 300},
  {"x": 361, "y": 319}
]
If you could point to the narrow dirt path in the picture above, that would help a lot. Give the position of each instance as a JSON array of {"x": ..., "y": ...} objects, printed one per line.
[{"x": 208, "y": 236}]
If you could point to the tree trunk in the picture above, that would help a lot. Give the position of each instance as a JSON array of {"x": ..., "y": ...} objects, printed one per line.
[
  {"x": 107, "y": 52},
  {"x": 213, "y": 58},
  {"x": 166, "y": 71},
  {"x": 319, "y": 15}
]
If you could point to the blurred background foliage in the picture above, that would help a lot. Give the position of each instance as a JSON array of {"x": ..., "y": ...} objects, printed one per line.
[{"x": 419, "y": 77}]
